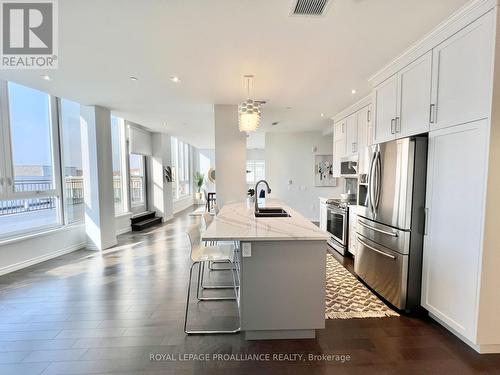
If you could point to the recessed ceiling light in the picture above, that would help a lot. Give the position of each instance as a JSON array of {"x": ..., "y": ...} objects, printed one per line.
[
  {"x": 175, "y": 79},
  {"x": 322, "y": 115},
  {"x": 354, "y": 91},
  {"x": 133, "y": 78},
  {"x": 46, "y": 77}
]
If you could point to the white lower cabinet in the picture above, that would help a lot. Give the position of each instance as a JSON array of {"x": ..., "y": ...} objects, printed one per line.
[
  {"x": 322, "y": 214},
  {"x": 456, "y": 189}
]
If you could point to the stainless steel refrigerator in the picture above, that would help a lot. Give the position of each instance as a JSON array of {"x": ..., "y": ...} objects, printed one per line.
[{"x": 391, "y": 219}]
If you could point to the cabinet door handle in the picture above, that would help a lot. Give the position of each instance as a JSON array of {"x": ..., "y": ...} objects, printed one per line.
[
  {"x": 368, "y": 116},
  {"x": 431, "y": 113},
  {"x": 398, "y": 125},
  {"x": 392, "y": 126}
]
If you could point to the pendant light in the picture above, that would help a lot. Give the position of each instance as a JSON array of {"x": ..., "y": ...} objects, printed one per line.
[{"x": 249, "y": 110}]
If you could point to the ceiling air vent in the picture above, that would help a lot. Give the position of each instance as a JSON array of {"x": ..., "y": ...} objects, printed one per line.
[{"x": 309, "y": 7}]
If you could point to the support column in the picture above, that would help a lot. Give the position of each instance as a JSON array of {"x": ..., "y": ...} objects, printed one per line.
[
  {"x": 98, "y": 177},
  {"x": 230, "y": 156},
  {"x": 160, "y": 191}
]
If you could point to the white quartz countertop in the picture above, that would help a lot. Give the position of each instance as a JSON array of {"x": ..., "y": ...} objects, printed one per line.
[{"x": 237, "y": 222}]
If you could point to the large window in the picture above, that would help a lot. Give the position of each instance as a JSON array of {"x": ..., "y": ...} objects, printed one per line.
[
  {"x": 29, "y": 159},
  {"x": 74, "y": 207},
  {"x": 137, "y": 180},
  {"x": 256, "y": 170},
  {"x": 181, "y": 169},
  {"x": 119, "y": 177}
]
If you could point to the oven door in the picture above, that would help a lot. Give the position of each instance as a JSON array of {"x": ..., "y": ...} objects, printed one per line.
[{"x": 336, "y": 224}]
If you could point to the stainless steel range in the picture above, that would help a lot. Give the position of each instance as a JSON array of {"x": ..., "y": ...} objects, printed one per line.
[{"x": 337, "y": 223}]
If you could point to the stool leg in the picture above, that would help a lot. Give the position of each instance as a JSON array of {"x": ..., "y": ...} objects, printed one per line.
[
  {"x": 199, "y": 295},
  {"x": 207, "y": 332},
  {"x": 187, "y": 298},
  {"x": 215, "y": 286}
]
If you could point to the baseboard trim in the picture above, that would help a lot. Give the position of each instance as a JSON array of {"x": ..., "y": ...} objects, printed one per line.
[
  {"x": 481, "y": 349},
  {"x": 92, "y": 246},
  {"x": 42, "y": 258},
  {"x": 167, "y": 219},
  {"x": 124, "y": 230}
]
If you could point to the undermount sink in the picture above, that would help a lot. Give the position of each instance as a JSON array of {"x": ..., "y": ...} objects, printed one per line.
[{"x": 271, "y": 212}]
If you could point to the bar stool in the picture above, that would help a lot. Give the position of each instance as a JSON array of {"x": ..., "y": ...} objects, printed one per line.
[
  {"x": 207, "y": 220},
  {"x": 199, "y": 255}
]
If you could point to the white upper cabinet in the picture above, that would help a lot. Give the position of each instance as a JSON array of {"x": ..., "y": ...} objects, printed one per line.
[
  {"x": 463, "y": 75},
  {"x": 339, "y": 145},
  {"x": 365, "y": 132},
  {"x": 414, "y": 97},
  {"x": 386, "y": 99},
  {"x": 403, "y": 102},
  {"x": 351, "y": 135}
]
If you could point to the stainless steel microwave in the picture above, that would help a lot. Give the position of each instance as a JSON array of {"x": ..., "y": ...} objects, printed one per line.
[{"x": 349, "y": 167}]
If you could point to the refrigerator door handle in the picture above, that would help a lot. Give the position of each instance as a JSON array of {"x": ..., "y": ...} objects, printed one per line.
[
  {"x": 378, "y": 172},
  {"x": 371, "y": 194}
]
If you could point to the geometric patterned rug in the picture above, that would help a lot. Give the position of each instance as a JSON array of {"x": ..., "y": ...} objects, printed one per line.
[{"x": 347, "y": 298}]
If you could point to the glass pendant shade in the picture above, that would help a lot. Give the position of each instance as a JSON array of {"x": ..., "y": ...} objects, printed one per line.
[{"x": 249, "y": 116}]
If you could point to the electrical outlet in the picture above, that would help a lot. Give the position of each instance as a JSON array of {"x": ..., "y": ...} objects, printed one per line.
[{"x": 246, "y": 249}]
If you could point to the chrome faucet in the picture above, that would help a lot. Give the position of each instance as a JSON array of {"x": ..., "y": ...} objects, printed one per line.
[{"x": 256, "y": 193}]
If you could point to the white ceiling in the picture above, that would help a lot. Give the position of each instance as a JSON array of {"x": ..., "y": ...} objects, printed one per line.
[{"x": 309, "y": 64}]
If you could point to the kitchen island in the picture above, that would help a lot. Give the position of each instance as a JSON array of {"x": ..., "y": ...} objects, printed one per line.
[{"x": 282, "y": 266}]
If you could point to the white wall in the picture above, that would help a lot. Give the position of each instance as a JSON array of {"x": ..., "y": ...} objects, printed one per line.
[
  {"x": 256, "y": 154},
  {"x": 230, "y": 155},
  {"x": 122, "y": 223},
  {"x": 29, "y": 250},
  {"x": 98, "y": 177},
  {"x": 206, "y": 160},
  {"x": 488, "y": 332},
  {"x": 160, "y": 191},
  {"x": 289, "y": 156}
]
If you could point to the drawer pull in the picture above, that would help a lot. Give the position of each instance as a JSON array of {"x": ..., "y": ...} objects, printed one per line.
[
  {"x": 374, "y": 249},
  {"x": 377, "y": 230}
]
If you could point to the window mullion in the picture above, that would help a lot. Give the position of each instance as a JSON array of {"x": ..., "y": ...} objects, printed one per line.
[
  {"x": 125, "y": 172},
  {"x": 8, "y": 191},
  {"x": 3, "y": 141},
  {"x": 57, "y": 155}
]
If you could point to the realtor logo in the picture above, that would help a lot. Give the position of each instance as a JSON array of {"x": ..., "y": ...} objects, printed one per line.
[{"x": 29, "y": 34}]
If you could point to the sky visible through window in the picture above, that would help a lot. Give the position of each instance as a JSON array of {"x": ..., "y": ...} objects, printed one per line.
[{"x": 30, "y": 127}]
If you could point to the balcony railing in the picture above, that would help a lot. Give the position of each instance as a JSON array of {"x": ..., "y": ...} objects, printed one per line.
[
  {"x": 136, "y": 189},
  {"x": 73, "y": 188},
  {"x": 73, "y": 194}
]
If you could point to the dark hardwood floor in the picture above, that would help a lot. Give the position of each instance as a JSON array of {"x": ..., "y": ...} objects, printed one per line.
[{"x": 106, "y": 313}]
